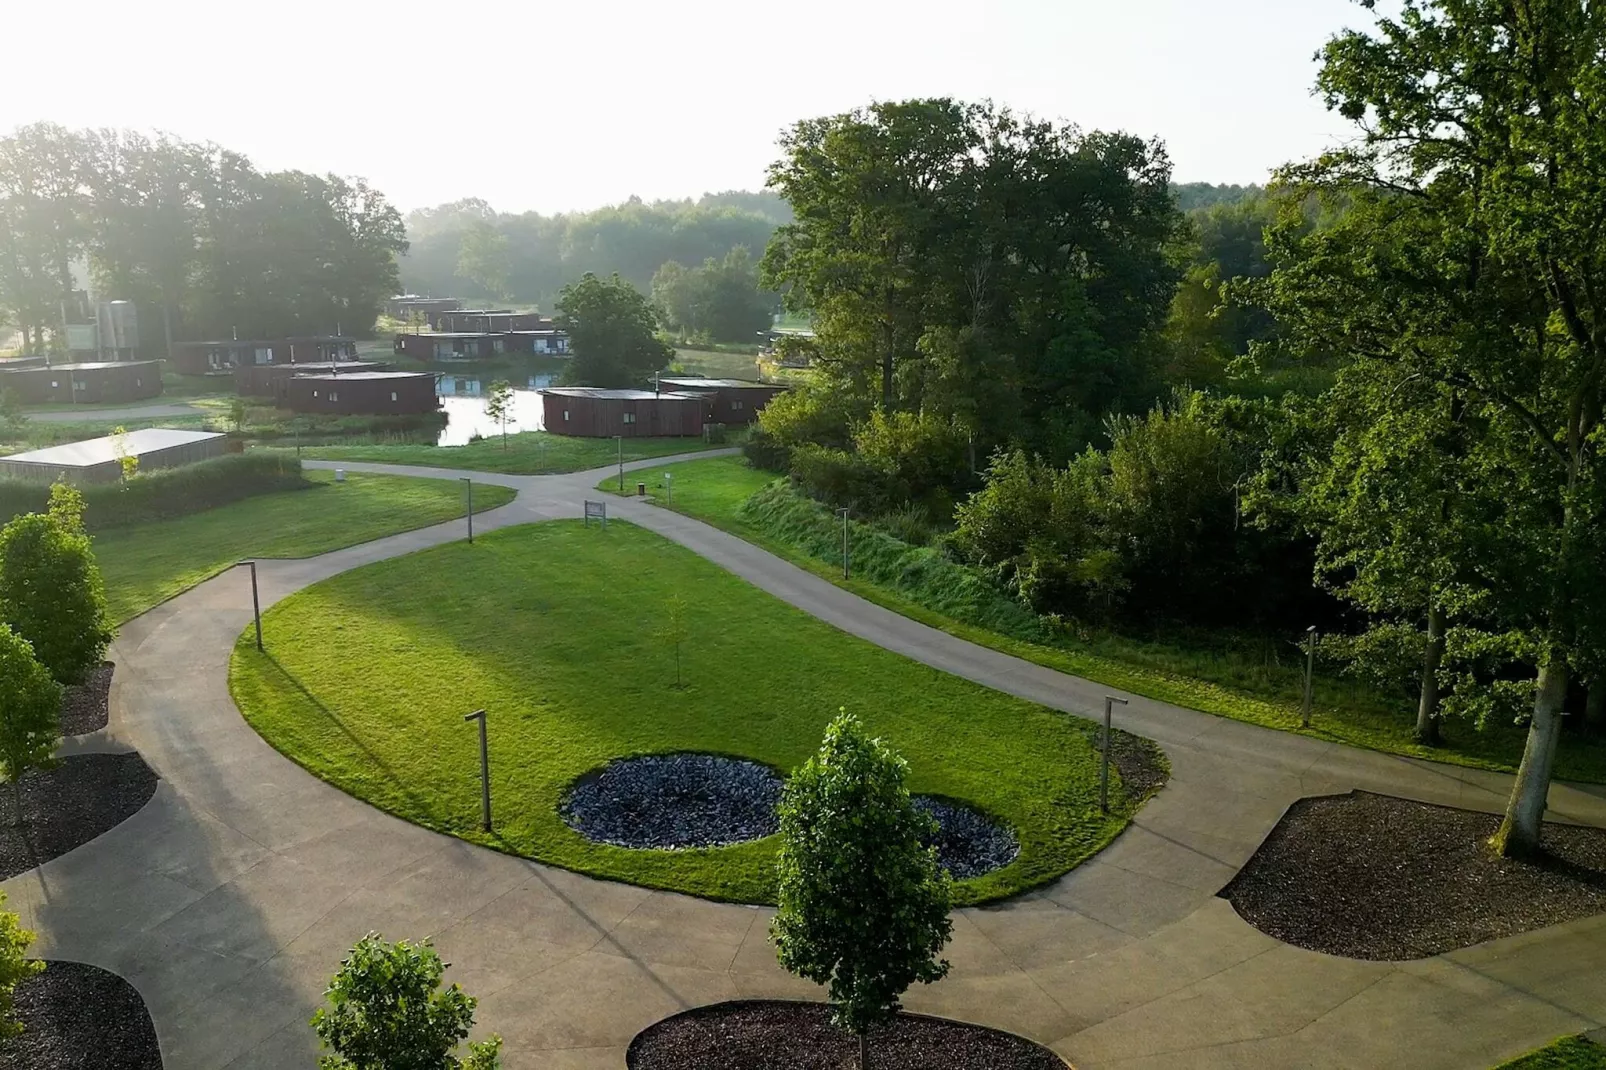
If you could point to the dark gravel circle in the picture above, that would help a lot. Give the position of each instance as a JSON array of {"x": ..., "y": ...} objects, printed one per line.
[
  {"x": 781, "y": 1035},
  {"x": 70, "y": 805},
  {"x": 1377, "y": 877},
  {"x": 81, "y": 1017},
  {"x": 675, "y": 800},
  {"x": 85, "y": 707},
  {"x": 968, "y": 842}
]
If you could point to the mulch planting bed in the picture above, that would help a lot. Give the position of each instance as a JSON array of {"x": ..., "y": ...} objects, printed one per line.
[
  {"x": 968, "y": 842},
  {"x": 675, "y": 800},
  {"x": 778, "y": 1035},
  {"x": 84, "y": 707},
  {"x": 1140, "y": 762},
  {"x": 80, "y": 1017},
  {"x": 1377, "y": 877},
  {"x": 70, "y": 805}
]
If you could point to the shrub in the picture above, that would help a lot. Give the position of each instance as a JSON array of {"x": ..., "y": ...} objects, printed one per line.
[
  {"x": 166, "y": 492},
  {"x": 30, "y": 719},
  {"x": 51, "y": 592},
  {"x": 765, "y": 452},
  {"x": 843, "y": 478},
  {"x": 15, "y": 966},
  {"x": 863, "y": 905},
  {"x": 386, "y": 1012}
]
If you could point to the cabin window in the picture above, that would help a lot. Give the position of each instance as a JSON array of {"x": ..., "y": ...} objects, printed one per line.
[
  {"x": 566, "y": 415},
  {"x": 498, "y": 345},
  {"x": 314, "y": 393},
  {"x": 736, "y": 405},
  {"x": 139, "y": 382},
  {"x": 54, "y": 385},
  {"x": 334, "y": 395},
  {"x": 264, "y": 355},
  {"x": 393, "y": 395},
  {"x": 630, "y": 417},
  {"x": 80, "y": 384}
]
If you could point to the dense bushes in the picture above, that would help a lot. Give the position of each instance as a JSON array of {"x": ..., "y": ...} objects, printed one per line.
[
  {"x": 167, "y": 492},
  {"x": 50, "y": 588}
]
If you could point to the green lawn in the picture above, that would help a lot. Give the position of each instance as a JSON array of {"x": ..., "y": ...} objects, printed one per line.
[
  {"x": 554, "y": 629},
  {"x": 1568, "y": 1053},
  {"x": 148, "y": 563},
  {"x": 921, "y": 585},
  {"x": 527, "y": 453},
  {"x": 718, "y": 365}
]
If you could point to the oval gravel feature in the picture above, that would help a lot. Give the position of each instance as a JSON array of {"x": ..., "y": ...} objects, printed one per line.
[
  {"x": 70, "y": 805},
  {"x": 80, "y": 1017},
  {"x": 968, "y": 842},
  {"x": 784, "y": 1035},
  {"x": 675, "y": 800}
]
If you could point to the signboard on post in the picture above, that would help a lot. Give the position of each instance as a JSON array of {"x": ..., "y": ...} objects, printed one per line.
[{"x": 598, "y": 511}]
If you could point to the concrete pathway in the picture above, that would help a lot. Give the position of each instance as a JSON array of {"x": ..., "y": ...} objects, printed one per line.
[
  {"x": 91, "y": 414},
  {"x": 231, "y": 897}
]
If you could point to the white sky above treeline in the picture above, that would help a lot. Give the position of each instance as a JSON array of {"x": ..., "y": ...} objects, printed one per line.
[{"x": 558, "y": 106}]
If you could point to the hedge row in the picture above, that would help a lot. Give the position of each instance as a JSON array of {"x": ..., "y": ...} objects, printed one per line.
[{"x": 166, "y": 492}]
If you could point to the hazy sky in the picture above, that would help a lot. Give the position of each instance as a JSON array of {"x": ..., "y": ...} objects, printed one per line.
[{"x": 536, "y": 105}]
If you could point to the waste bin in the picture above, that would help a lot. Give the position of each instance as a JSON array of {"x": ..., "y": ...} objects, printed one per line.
[{"x": 641, "y": 490}]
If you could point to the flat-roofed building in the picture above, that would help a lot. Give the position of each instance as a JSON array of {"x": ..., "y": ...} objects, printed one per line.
[
  {"x": 84, "y": 382},
  {"x": 592, "y": 412},
  {"x": 100, "y": 460},
  {"x": 362, "y": 393}
]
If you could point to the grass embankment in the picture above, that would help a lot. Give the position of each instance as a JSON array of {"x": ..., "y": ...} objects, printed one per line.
[
  {"x": 555, "y": 628},
  {"x": 1568, "y": 1053},
  {"x": 526, "y": 453},
  {"x": 144, "y": 564},
  {"x": 920, "y": 583}
]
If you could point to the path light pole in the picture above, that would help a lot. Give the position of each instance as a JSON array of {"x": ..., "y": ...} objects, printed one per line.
[
  {"x": 468, "y": 484},
  {"x": 621, "y": 440},
  {"x": 256, "y": 603},
  {"x": 1310, "y": 667},
  {"x": 1104, "y": 766},
  {"x": 485, "y": 770},
  {"x": 844, "y": 513}
]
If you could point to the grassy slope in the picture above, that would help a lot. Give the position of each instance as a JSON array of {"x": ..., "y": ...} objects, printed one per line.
[
  {"x": 527, "y": 453},
  {"x": 148, "y": 563},
  {"x": 714, "y": 490},
  {"x": 551, "y": 627},
  {"x": 1568, "y": 1053}
]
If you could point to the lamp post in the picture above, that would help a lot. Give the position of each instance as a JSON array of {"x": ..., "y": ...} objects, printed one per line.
[
  {"x": 468, "y": 484},
  {"x": 256, "y": 603},
  {"x": 485, "y": 770},
  {"x": 1104, "y": 765},
  {"x": 1310, "y": 668},
  {"x": 844, "y": 513}
]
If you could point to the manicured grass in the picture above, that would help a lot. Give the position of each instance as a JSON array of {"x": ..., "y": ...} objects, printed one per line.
[
  {"x": 718, "y": 365},
  {"x": 148, "y": 563},
  {"x": 1568, "y": 1053},
  {"x": 554, "y": 629},
  {"x": 919, "y": 583},
  {"x": 527, "y": 453}
]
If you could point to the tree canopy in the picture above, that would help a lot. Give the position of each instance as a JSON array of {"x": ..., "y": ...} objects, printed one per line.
[
  {"x": 611, "y": 333},
  {"x": 51, "y": 592}
]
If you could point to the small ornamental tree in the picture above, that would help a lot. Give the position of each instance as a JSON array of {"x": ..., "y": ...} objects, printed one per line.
[
  {"x": 675, "y": 631},
  {"x": 51, "y": 592},
  {"x": 15, "y": 966},
  {"x": 386, "y": 1012},
  {"x": 863, "y": 903},
  {"x": 30, "y": 713},
  {"x": 499, "y": 405}
]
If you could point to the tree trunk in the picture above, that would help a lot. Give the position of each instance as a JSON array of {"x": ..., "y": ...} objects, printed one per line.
[
  {"x": 864, "y": 1050},
  {"x": 167, "y": 325},
  {"x": 1427, "y": 707},
  {"x": 1595, "y": 705},
  {"x": 1519, "y": 832}
]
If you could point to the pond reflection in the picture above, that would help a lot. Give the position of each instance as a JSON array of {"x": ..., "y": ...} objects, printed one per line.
[{"x": 463, "y": 402}]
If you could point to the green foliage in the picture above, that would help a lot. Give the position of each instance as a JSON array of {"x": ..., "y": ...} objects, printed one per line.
[
  {"x": 499, "y": 405},
  {"x": 15, "y": 967},
  {"x": 718, "y": 302},
  {"x": 527, "y": 453},
  {"x": 127, "y": 463},
  {"x": 386, "y": 1011},
  {"x": 484, "y": 260},
  {"x": 30, "y": 717},
  {"x": 863, "y": 903},
  {"x": 611, "y": 332},
  {"x": 167, "y": 492},
  {"x": 1568, "y": 1053},
  {"x": 675, "y": 630},
  {"x": 51, "y": 592},
  {"x": 239, "y": 408}
]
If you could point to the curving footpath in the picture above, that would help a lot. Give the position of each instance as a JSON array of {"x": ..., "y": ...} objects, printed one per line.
[{"x": 230, "y": 899}]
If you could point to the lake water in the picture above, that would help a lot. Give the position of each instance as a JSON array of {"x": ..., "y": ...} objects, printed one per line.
[{"x": 463, "y": 401}]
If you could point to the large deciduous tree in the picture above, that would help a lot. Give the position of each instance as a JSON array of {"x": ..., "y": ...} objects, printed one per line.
[
  {"x": 1471, "y": 266},
  {"x": 863, "y": 903},
  {"x": 51, "y": 591},
  {"x": 611, "y": 332}
]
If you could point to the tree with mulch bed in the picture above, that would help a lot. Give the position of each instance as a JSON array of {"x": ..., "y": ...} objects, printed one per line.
[
  {"x": 30, "y": 712},
  {"x": 386, "y": 1011},
  {"x": 51, "y": 591},
  {"x": 863, "y": 902}
]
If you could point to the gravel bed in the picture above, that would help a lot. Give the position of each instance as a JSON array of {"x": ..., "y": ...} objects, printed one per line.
[
  {"x": 968, "y": 842},
  {"x": 80, "y": 1017},
  {"x": 84, "y": 707},
  {"x": 70, "y": 805},
  {"x": 1141, "y": 763},
  {"x": 1378, "y": 877},
  {"x": 675, "y": 800},
  {"x": 779, "y": 1035}
]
